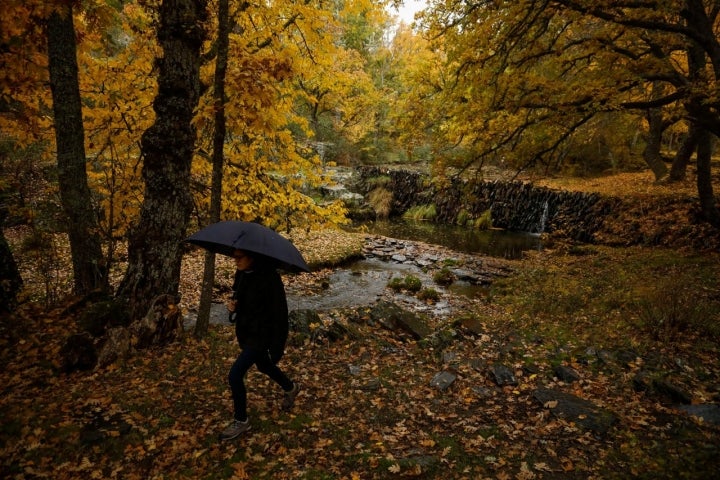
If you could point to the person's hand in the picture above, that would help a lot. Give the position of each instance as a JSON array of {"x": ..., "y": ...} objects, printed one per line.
[{"x": 231, "y": 304}]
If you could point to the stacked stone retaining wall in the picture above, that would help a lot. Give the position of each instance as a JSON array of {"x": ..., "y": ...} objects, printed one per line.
[{"x": 513, "y": 205}]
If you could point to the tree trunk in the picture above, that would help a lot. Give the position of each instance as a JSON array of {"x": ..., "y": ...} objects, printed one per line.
[
  {"x": 697, "y": 60},
  {"x": 218, "y": 161},
  {"x": 682, "y": 156},
  {"x": 88, "y": 265},
  {"x": 10, "y": 279},
  {"x": 708, "y": 203},
  {"x": 155, "y": 243},
  {"x": 651, "y": 154}
]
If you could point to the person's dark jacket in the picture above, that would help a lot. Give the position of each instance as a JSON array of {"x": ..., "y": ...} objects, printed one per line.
[{"x": 261, "y": 319}]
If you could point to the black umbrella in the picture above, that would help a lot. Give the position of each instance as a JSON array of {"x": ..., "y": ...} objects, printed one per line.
[{"x": 226, "y": 237}]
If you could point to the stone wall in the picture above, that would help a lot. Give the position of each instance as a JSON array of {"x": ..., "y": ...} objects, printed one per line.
[{"x": 514, "y": 205}]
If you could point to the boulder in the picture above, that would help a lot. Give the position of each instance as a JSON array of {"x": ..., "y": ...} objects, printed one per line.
[
  {"x": 583, "y": 413},
  {"x": 443, "y": 380},
  {"x": 393, "y": 317},
  {"x": 503, "y": 375},
  {"x": 117, "y": 346},
  {"x": 78, "y": 353},
  {"x": 300, "y": 320},
  {"x": 566, "y": 374},
  {"x": 672, "y": 391},
  {"x": 708, "y": 412},
  {"x": 161, "y": 325}
]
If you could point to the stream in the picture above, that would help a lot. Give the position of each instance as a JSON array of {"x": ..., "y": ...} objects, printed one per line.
[
  {"x": 365, "y": 281},
  {"x": 493, "y": 243}
]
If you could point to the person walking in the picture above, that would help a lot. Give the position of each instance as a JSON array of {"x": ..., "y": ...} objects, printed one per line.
[{"x": 260, "y": 313}]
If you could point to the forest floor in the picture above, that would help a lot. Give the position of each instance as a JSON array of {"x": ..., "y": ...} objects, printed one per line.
[{"x": 369, "y": 409}]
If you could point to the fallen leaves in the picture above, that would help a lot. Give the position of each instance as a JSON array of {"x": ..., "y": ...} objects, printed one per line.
[{"x": 368, "y": 410}]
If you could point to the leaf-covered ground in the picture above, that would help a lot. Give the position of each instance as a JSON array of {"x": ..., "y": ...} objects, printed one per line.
[{"x": 368, "y": 409}]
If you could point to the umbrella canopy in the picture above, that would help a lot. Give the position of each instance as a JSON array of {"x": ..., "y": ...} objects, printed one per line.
[{"x": 226, "y": 237}]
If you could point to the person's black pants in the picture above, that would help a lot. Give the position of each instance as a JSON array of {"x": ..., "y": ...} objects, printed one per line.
[{"x": 247, "y": 358}]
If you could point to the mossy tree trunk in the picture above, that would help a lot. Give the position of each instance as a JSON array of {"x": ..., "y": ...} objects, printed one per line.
[{"x": 155, "y": 243}]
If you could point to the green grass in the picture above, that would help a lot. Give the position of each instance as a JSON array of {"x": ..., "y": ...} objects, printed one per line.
[
  {"x": 421, "y": 212},
  {"x": 380, "y": 200},
  {"x": 623, "y": 296},
  {"x": 410, "y": 283},
  {"x": 429, "y": 294}
]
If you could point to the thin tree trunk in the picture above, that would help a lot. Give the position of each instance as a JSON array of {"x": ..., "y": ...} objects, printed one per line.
[
  {"x": 684, "y": 153},
  {"x": 697, "y": 60},
  {"x": 651, "y": 154},
  {"x": 704, "y": 179},
  {"x": 88, "y": 264},
  {"x": 155, "y": 243},
  {"x": 218, "y": 161},
  {"x": 10, "y": 279}
]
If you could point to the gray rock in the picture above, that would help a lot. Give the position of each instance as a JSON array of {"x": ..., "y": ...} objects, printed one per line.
[
  {"x": 465, "y": 275},
  {"x": 566, "y": 374},
  {"x": 393, "y": 317},
  {"x": 336, "y": 331},
  {"x": 423, "y": 461},
  {"x": 372, "y": 385},
  {"x": 709, "y": 412},
  {"x": 300, "y": 320},
  {"x": 478, "y": 364},
  {"x": 340, "y": 192},
  {"x": 503, "y": 375},
  {"x": 583, "y": 413},
  {"x": 606, "y": 357},
  {"x": 626, "y": 357},
  {"x": 483, "y": 392},
  {"x": 449, "y": 357},
  {"x": 674, "y": 392},
  {"x": 642, "y": 381},
  {"x": 443, "y": 380}
]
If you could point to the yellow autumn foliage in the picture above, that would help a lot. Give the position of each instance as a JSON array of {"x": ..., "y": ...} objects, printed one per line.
[{"x": 271, "y": 165}]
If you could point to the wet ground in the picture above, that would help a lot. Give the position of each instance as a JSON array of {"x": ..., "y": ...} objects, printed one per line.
[
  {"x": 359, "y": 284},
  {"x": 365, "y": 281}
]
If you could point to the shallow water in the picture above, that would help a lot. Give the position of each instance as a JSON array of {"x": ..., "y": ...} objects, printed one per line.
[
  {"x": 364, "y": 282},
  {"x": 494, "y": 243},
  {"x": 357, "y": 285}
]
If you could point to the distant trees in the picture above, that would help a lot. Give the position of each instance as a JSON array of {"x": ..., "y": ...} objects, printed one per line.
[
  {"x": 145, "y": 128},
  {"x": 525, "y": 80},
  {"x": 147, "y": 135}
]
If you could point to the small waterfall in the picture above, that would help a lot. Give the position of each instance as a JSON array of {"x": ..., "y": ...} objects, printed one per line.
[{"x": 543, "y": 219}]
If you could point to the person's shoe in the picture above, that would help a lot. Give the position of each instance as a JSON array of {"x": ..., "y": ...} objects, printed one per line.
[
  {"x": 234, "y": 429},
  {"x": 289, "y": 397}
]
